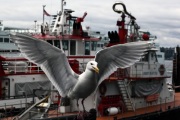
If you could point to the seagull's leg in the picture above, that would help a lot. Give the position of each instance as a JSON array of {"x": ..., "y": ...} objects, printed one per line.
[
  {"x": 79, "y": 116},
  {"x": 85, "y": 114},
  {"x": 84, "y": 111},
  {"x": 77, "y": 104},
  {"x": 83, "y": 104}
]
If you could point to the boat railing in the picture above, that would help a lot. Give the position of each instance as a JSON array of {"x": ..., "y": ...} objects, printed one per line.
[
  {"x": 10, "y": 54},
  {"x": 20, "y": 67},
  {"x": 11, "y": 107},
  {"x": 140, "y": 70},
  {"x": 119, "y": 74},
  {"x": 147, "y": 70},
  {"x": 13, "y": 66},
  {"x": 78, "y": 64}
]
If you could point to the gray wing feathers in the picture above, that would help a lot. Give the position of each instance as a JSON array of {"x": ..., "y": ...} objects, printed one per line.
[
  {"x": 119, "y": 56},
  {"x": 60, "y": 77},
  {"x": 52, "y": 61}
]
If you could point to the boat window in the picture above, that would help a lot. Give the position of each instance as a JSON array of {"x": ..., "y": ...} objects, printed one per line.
[
  {"x": 70, "y": 26},
  {"x": 159, "y": 56},
  {"x": 6, "y": 40},
  {"x": 1, "y": 39},
  {"x": 65, "y": 44},
  {"x": 57, "y": 43},
  {"x": 93, "y": 46},
  {"x": 4, "y": 50},
  {"x": 98, "y": 45},
  {"x": 145, "y": 57},
  {"x": 50, "y": 41},
  {"x": 87, "y": 48},
  {"x": 72, "y": 47},
  {"x": 15, "y": 51}
]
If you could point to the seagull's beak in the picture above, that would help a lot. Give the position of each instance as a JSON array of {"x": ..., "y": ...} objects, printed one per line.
[{"x": 96, "y": 69}]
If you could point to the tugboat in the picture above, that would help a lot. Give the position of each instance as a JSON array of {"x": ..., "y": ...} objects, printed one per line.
[{"x": 135, "y": 92}]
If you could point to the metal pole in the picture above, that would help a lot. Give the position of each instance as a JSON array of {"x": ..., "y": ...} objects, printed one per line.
[
  {"x": 25, "y": 95},
  {"x": 26, "y": 99},
  {"x": 160, "y": 104},
  {"x": 62, "y": 16},
  {"x": 43, "y": 14},
  {"x": 5, "y": 110},
  {"x": 62, "y": 5},
  {"x": 165, "y": 102},
  {"x": 21, "y": 104},
  {"x": 35, "y": 25},
  {"x": 174, "y": 99},
  {"x": 34, "y": 95},
  {"x": 135, "y": 108}
]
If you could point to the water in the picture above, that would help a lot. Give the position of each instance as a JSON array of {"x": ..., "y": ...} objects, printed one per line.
[{"x": 169, "y": 65}]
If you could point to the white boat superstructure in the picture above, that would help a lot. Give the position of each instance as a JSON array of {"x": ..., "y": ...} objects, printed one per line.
[{"x": 7, "y": 47}]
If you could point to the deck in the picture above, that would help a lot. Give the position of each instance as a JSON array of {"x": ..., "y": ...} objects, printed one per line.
[{"x": 140, "y": 111}]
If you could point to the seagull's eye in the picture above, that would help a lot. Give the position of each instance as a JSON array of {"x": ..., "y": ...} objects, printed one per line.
[{"x": 91, "y": 64}]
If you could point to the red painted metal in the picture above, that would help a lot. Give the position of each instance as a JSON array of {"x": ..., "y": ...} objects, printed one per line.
[
  {"x": 33, "y": 69},
  {"x": 74, "y": 65},
  {"x": 122, "y": 30},
  {"x": 65, "y": 37},
  {"x": 152, "y": 98},
  {"x": 110, "y": 101},
  {"x": 14, "y": 59},
  {"x": 82, "y": 57},
  {"x": 147, "y": 78},
  {"x": 24, "y": 59},
  {"x": 24, "y": 73},
  {"x": 122, "y": 36},
  {"x": 1, "y": 74},
  {"x": 2, "y": 58},
  {"x": 0, "y": 87},
  {"x": 81, "y": 19},
  {"x": 1, "y": 70},
  {"x": 145, "y": 36}
]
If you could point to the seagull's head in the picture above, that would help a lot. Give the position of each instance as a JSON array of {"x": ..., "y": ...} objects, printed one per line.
[{"x": 92, "y": 65}]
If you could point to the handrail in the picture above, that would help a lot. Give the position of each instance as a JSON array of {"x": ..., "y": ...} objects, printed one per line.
[
  {"x": 132, "y": 103},
  {"x": 13, "y": 66}
]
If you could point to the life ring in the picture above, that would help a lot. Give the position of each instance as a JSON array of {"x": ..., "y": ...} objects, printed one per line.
[{"x": 102, "y": 89}]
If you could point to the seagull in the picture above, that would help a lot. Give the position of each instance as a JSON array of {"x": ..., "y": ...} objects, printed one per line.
[{"x": 55, "y": 65}]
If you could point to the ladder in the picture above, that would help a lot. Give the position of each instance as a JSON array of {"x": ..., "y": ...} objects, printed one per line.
[{"x": 125, "y": 95}]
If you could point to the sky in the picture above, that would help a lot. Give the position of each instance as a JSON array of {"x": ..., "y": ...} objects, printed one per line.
[{"x": 160, "y": 17}]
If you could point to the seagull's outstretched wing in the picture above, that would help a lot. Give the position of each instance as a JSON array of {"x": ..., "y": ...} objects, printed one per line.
[
  {"x": 119, "y": 56},
  {"x": 52, "y": 61}
]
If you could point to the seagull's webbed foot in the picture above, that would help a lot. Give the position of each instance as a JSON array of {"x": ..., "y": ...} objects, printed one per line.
[
  {"x": 84, "y": 114},
  {"x": 79, "y": 116}
]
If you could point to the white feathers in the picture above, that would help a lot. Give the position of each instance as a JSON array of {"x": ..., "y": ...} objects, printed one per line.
[{"x": 56, "y": 66}]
